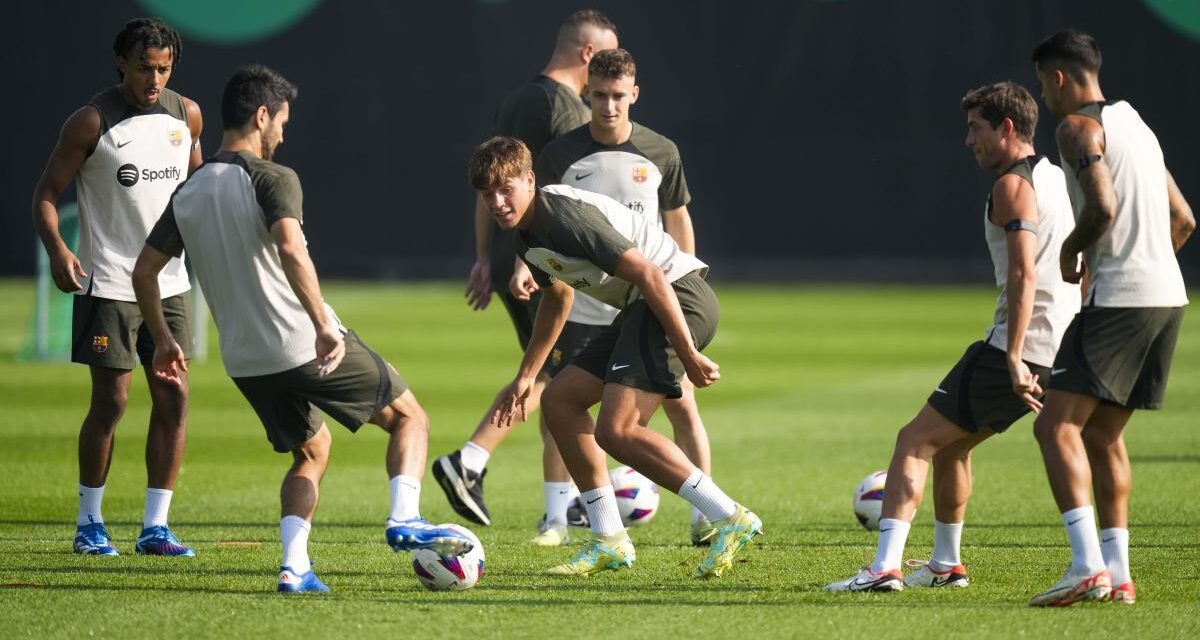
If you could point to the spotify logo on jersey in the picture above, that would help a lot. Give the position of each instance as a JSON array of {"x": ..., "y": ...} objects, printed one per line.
[{"x": 127, "y": 175}]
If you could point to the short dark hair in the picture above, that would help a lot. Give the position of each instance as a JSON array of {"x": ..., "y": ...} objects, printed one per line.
[
  {"x": 149, "y": 32},
  {"x": 570, "y": 34},
  {"x": 611, "y": 64},
  {"x": 251, "y": 87},
  {"x": 1075, "y": 50},
  {"x": 1005, "y": 100},
  {"x": 496, "y": 160}
]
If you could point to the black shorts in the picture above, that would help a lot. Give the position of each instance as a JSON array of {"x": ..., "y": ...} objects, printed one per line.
[
  {"x": 634, "y": 350},
  {"x": 521, "y": 313},
  {"x": 1120, "y": 355},
  {"x": 574, "y": 337},
  {"x": 111, "y": 333},
  {"x": 978, "y": 390},
  {"x": 289, "y": 403}
]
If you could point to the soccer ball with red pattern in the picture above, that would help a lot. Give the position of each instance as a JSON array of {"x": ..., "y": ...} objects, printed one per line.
[
  {"x": 449, "y": 573},
  {"x": 637, "y": 497}
]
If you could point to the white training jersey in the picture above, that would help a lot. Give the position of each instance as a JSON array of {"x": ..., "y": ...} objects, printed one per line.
[
  {"x": 644, "y": 173},
  {"x": 1133, "y": 264},
  {"x": 123, "y": 187},
  {"x": 223, "y": 215},
  {"x": 1055, "y": 301}
]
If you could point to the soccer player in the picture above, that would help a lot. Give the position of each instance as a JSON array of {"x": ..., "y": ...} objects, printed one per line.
[
  {"x": 240, "y": 217},
  {"x": 576, "y": 239},
  {"x": 127, "y": 150},
  {"x": 544, "y": 108},
  {"x": 1115, "y": 358},
  {"x": 998, "y": 380},
  {"x": 642, "y": 170}
]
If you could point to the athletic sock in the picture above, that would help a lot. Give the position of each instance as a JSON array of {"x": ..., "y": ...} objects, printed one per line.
[
  {"x": 474, "y": 457},
  {"x": 893, "y": 533},
  {"x": 89, "y": 505},
  {"x": 947, "y": 541},
  {"x": 601, "y": 506},
  {"x": 558, "y": 497},
  {"x": 406, "y": 499},
  {"x": 158, "y": 503},
  {"x": 294, "y": 532},
  {"x": 1114, "y": 546},
  {"x": 697, "y": 516},
  {"x": 1085, "y": 543},
  {"x": 705, "y": 495}
]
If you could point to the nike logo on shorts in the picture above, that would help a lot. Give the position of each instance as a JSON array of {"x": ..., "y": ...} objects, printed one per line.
[
  {"x": 581, "y": 176},
  {"x": 1055, "y": 372},
  {"x": 618, "y": 367},
  {"x": 122, "y": 144}
]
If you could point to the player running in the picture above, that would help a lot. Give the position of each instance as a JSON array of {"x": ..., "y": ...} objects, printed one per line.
[
  {"x": 642, "y": 170},
  {"x": 127, "y": 150},
  {"x": 576, "y": 239},
  {"x": 998, "y": 380},
  {"x": 1130, "y": 221},
  {"x": 240, "y": 218},
  {"x": 542, "y": 109}
]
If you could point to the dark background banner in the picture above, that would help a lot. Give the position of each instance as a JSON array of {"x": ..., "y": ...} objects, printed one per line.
[{"x": 822, "y": 140}]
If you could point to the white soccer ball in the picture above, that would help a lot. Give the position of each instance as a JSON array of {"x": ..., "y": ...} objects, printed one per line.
[
  {"x": 449, "y": 573},
  {"x": 637, "y": 497},
  {"x": 868, "y": 500}
]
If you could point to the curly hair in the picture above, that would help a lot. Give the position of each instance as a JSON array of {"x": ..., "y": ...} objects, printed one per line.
[
  {"x": 496, "y": 160},
  {"x": 611, "y": 64},
  {"x": 149, "y": 32}
]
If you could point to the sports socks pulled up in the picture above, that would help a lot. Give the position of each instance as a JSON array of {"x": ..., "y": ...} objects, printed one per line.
[
  {"x": 474, "y": 457},
  {"x": 601, "y": 506},
  {"x": 947, "y": 543},
  {"x": 405, "y": 492},
  {"x": 294, "y": 531},
  {"x": 158, "y": 503},
  {"x": 89, "y": 505},
  {"x": 704, "y": 494},
  {"x": 1114, "y": 546},
  {"x": 1085, "y": 543},
  {"x": 558, "y": 497}
]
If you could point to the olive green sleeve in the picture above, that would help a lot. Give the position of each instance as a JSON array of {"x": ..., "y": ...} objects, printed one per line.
[
  {"x": 277, "y": 189},
  {"x": 165, "y": 235}
]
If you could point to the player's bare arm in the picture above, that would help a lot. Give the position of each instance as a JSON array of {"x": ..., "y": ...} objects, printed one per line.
[
  {"x": 169, "y": 361},
  {"x": 302, "y": 276},
  {"x": 1081, "y": 141},
  {"x": 479, "y": 283},
  {"x": 678, "y": 224},
  {"x": 1014, "y": 208},
  {"x": 548, "y": 323},
  {"x": 75, "y": 142},
  {"x": 634, "y": 267},
  {"x": 1182, "y": 221},
  {"x": 196, "y": 125}
]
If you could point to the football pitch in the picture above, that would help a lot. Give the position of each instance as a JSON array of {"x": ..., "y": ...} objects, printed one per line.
[{"x": 816, "y": 381}]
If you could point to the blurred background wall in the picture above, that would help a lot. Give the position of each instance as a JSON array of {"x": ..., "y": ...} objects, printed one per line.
[{"x": 822, "y": 140}]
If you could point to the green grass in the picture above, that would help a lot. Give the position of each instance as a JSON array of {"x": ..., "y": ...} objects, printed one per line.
[{"x": 816, "y": 382}]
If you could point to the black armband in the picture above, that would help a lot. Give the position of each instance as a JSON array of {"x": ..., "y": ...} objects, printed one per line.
[
  {"x": 1086, "y": 160},
  {"x": 1021, "y": 225}
]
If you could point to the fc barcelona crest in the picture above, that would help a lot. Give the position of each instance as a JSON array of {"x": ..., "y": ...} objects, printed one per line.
[
  {"x": 556, "y": 357},
  {"x": 554, "y": 264},
  {"x": 640, "y": 174},
  {"x": 100, "y": 344},
  {"x": 176, "y": 137}
]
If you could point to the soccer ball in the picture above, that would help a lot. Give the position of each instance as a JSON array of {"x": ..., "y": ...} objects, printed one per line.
[
  {"x": 637, "y": 497},
  {"x": 868, "y": 500},
  {"x": 449, "y": 573}
]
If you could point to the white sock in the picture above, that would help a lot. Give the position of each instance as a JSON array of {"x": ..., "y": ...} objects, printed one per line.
[
  {"x": 947, "y": 542},
  {"x": 893, "y": 534},
  {"x": 158, "y": 503},
  {"x": 601, "y": 506},
  {"x": 705, "y": 495},
  {"x": 1114, "y": 546},
  {"x": 474, "y": 457},
  {"x": 1085, "y": 543},
  {"x": 697, "y": 516},
  {"x": 89, "y": 505},
  {"x": 406, "y": 499},
  {"x": 294, "y": 531},
  {"x": 558, "y": 497}
]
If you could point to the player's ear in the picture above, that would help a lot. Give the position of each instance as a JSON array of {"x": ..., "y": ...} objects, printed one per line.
[
  {"x": 633, "y": 95},
  {"x": 1060, "y": 79},
  {"x": 121, "y": 64},
  {"x": 586, "y": 52},
  {"x": 262, "y": 117},
  {"x": 1007, "y": 128}
]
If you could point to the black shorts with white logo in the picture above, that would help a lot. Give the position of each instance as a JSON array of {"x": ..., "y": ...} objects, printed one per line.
[
  {"x": 634, "y": 350},
  {"x": 978, "y": 390},
  {"x": 574, "y": 337},
  {"x": 1120, "y": 355}
]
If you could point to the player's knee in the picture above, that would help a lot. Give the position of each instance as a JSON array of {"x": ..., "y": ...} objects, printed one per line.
[
  {"x": 611, "y": 437},
  {"x": 1095, "y": 438},
  {"x": 911, "y": 441},
  {"x": 107, "y": 408}
]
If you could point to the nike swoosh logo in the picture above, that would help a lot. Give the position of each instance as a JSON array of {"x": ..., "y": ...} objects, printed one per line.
[
  {"x": 122, "y": 144},
  {"x": 1107, "y": 540},
  {"x": 581, "y": 176},
  {"x": 885, "y": 530},
  {"x": 1072, "y": 523},
  {"x": 1055, "y": 372},
  {"x": 618, "y": 367},
  {"x": 940, "y": 390},
  {"x": 593, "y": 500}
]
